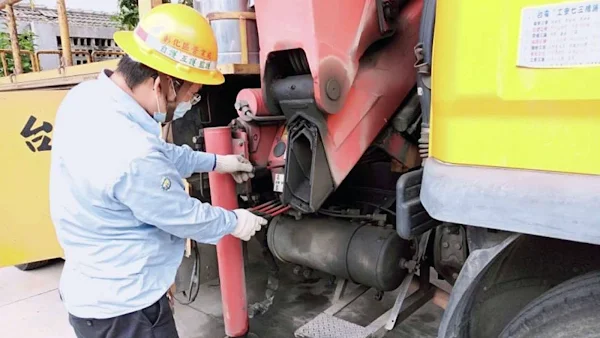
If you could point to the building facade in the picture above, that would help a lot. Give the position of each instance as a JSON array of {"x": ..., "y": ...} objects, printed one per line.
[{"x": 89, "y": 31}]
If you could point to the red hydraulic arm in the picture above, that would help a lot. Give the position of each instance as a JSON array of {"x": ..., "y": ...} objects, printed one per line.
[
  {"x": 229, "y": 249},
  {"x": 328, "y": 40}
]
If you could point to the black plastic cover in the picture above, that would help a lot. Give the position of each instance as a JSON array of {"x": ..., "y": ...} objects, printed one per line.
[{"x": 411, "y": 217}]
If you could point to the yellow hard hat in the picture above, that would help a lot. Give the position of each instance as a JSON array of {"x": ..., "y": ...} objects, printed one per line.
[{"x": 176, "y": 40}]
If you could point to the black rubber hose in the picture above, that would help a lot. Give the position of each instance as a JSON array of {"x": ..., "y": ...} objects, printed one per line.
[{"x": 195, "y": 292}]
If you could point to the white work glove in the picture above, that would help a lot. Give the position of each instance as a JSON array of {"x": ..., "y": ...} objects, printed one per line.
[
  {"x": 247, "y": 224},
  {"x": 236, "y": 165}
]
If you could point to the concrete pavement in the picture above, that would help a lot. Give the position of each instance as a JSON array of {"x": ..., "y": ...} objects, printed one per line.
[
  {"x": 29, "y": 304},
  {"x": 30, "y": 307}
]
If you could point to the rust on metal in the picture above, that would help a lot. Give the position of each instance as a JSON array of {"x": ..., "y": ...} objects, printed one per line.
[
  {"x": 4, "y": 63},
  {"x": 34, "y": 62},
  {"x": 14, "y": 40},
  {"x": 4, "y": 3},
  {"x": 64, "y": 32},
  {"x": 87, "y": 54}
]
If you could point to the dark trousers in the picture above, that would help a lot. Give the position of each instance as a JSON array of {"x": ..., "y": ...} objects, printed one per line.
[{"x": 155, "y": 321}]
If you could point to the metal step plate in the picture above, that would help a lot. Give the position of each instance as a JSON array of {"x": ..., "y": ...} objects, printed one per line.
[{"x": 328, "y": 326}]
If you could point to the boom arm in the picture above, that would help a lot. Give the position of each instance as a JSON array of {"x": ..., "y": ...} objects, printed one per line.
[{"x": 336, "y": 74}]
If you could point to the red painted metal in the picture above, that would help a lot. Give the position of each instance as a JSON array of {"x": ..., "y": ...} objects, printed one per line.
[
  {"x": 261, "y": 206},
  {"x": 254, "y": 99},
  {"x": 280, "y": 211},
  {"x": 278, "y": 161},
  {"x": 399, "y": 148},
  {"x": 258, "y": 141},
  {"x": 272, "y": 208},
  {"x": 229, "y": 249},
  {"x": 334, "y": 35},
  {"x": 379, "y": 88},
  {"x": 239, "y": 144}
]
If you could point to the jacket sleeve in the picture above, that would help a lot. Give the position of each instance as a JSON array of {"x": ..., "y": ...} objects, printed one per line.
[
  {"x": 187, "y": 161},
  {"x": 153, "y": 190}
]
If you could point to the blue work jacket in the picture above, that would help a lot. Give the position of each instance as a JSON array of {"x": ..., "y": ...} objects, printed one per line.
[{"x": 118, "y": 203}]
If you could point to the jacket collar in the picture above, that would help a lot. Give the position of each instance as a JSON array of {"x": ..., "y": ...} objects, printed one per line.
[{"x": 127, "y": 105}]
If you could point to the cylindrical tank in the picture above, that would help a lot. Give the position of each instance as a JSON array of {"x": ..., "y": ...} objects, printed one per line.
[
  {"x": 227, "y": 31},
  {"x": 364, "y": 254}
]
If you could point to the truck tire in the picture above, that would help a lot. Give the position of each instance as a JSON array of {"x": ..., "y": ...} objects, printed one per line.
[
  {"x": 32, "y": 265},
  {"x": 569, "y": 310}
]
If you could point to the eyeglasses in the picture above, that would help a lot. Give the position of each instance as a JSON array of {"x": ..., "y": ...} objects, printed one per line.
[
  {"x": 177, "y": 85},
  {"x": 195, "y": 99}
]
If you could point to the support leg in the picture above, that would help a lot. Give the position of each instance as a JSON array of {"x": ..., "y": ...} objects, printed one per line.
[{"x": 229, "y": 249}]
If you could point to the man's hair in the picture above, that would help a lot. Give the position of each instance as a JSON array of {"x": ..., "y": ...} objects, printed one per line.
[{"x": 134, "y": 72}]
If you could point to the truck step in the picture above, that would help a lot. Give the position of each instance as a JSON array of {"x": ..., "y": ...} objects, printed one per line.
[{"x": 328, "y": 326}]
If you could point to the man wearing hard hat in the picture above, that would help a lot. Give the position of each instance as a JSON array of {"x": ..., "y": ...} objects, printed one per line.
[{"x": 117, "y": 198}]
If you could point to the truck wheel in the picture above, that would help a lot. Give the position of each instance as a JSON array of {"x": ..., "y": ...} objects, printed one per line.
[
  {"x": 32, "y": 265},
  {"x": 568, "y": 310}
]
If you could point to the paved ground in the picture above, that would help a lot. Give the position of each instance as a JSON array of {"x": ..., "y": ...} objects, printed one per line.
[{"x": 30, "y": 308}]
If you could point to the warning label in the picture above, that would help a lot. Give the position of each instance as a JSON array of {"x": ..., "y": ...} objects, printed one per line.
[{"x": 560, "y": 35}]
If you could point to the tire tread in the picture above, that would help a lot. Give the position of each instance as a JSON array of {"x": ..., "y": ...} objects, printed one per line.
[{"x": 566, "y": 296}]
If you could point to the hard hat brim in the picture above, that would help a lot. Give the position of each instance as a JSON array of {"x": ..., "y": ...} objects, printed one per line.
[{"x": 153, "y": 59}]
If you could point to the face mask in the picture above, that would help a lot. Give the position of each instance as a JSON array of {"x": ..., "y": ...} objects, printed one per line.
[
  {"x": 159, "y": 116},
  {"x": 184, "y": 107},
  {"x": 181, "y": 109}
]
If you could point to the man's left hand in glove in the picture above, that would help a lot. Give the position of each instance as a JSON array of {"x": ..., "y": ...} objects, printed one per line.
[{"x": 237, "y": 165}]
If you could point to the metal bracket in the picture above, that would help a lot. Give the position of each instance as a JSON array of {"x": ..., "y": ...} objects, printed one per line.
[
  {"x": 421, "y": 66},
  {"x": 391, "y": 323}
]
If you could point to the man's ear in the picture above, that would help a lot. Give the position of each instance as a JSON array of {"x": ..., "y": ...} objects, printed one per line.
[{"x": 156, "y": 85}]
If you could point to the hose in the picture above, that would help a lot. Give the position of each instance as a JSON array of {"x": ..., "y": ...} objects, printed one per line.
[
  {"x": 194, "y": 279},
  {"x": 424, "y": 71}
]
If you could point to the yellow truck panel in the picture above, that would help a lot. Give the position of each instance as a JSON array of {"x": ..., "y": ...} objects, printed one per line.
[
  {"x": 29, "y": 103},
  {"x": 63, "y": 77},
  {"x": 488, "y": 111},
  {"x": 27, "y": 233}
]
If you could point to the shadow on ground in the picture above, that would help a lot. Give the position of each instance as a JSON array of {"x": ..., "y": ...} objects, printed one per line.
[{"x": 296, "y": 302}]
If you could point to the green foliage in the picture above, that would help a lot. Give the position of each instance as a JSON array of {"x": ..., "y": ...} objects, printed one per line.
[
  {"x": 26, "y": 42},
  {"x": 129, "y": 16}
]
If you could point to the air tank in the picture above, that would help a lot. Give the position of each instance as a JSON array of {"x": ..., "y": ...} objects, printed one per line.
[
  {"x": 364, "y": 254},
  {"x": 227, "y": 31}
]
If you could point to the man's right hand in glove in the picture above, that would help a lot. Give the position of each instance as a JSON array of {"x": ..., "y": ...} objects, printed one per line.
[
  {"x": 247, "y": 224},
  {"x": 236, "y": 165}
]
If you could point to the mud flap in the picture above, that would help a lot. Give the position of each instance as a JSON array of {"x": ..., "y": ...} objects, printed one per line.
[{"x": 412, "y": 219}]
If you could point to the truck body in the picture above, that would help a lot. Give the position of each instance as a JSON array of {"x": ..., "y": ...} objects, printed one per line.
[{"x": 394, "y": 139}]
